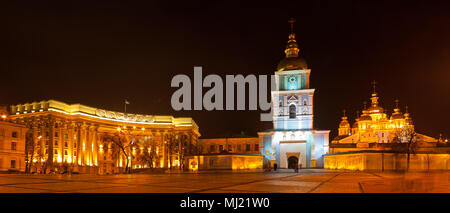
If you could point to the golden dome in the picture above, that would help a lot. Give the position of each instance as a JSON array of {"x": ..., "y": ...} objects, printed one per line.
[
  {"x": 397, "y": 114},
  {"x": 344, "y": 122},
  {"x": 365, "y": 116},
  {"x": 375, "y": 109},
  {"x": 292, "y": 63}
]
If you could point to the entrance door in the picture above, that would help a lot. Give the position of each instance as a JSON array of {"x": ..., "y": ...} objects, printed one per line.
[{"x": 292, "y": 162}]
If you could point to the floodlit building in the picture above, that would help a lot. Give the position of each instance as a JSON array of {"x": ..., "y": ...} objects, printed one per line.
[
  {"x": 375, "y": 140},
  {"x": 12, "y": 144},
  {"x": 79, "y": 138},
  {"x": 229, "y": 145},
  {"x": 293, "y": 139},
  {"x": 235, "y": 154}
]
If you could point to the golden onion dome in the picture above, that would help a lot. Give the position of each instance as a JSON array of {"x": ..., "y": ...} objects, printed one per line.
[
  {"x": 292, "y": 61},
  {"x": 344, "y": 123},
  {"x": 397, "y": 114},
  {"x": 375, "y": 109},
  {"x": 365, "y": 116}
]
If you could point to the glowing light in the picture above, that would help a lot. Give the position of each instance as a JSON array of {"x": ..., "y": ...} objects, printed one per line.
[
  {"x": 118, "y": 129},
  {"x": 3, "y": 116},
  {"x": 143, "y": 128}
]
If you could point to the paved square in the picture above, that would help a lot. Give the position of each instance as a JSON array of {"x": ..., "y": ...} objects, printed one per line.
[{"x": 285, "y": 181}]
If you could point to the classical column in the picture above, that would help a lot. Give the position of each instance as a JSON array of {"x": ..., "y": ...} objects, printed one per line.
[
  {"x": 77, "y": 147},
  {"x": 95, "y": 138},
  {"x": 50, "y": 138}
]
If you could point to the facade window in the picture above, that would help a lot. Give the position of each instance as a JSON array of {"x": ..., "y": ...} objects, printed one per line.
[
  {"x": 56, "y": 143},
  {"x": 74, "y": 153},
  {"x": 14, "y": 134},
  {"x": 66, "y": 136},
  {"x": 46, "y": 142},
  {"x": 247, "y": 147},
  {"x": 292, "y": 111},
  {"x": 46, "y": 134},
  {"x": 212, "y": 148},
  {"x": 239, "y": 147},
  {"x": 56, "y": 152},
  {"x": 13, "y": 145},
  {"x": 220, "y": 148},
  {"x": 13, "y": 164},
  {"x": 256, "y": 147},
  {"x": 65, "y": 152},
  {"x": 66, "y": 144},
  {"x": 75, "y": 145},
  {"x": 229, "y": 148},
  {"x": 46, "y": 151},
  {"x": 56, "y": 134}
]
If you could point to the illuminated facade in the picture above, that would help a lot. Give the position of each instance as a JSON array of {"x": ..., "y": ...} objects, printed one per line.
[
  {"x": 375, "y": 126},
  {"x": 293, "y": 140},
  {"x": 12, "y": 144},
  {"x": 80, "y": 138},
  {"x": 371, "y": 143},
  {"x": 229, "y": 145}
]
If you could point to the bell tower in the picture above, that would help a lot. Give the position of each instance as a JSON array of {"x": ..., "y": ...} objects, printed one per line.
[
  {"x": 293, "y": 141},
  {"x": 293, "y": 99}
]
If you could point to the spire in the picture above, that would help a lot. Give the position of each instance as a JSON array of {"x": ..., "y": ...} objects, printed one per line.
[
  {"x": 292, "y": 21},
  {"x": 374, "y": 85},
  {"x": 343, "y": 115},
  {"x": 292, "y": 46}
]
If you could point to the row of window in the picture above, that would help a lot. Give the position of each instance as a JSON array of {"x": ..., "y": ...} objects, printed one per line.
[
  {"x": 212, "y": 148},
  {"x": 14, "y": 134}
]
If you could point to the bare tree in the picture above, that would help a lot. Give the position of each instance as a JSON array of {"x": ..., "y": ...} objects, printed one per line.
[
  {"x": 29, "y": 151},
  {"x": 122, "y": 145},
  {"x": 406, "y": 139}
]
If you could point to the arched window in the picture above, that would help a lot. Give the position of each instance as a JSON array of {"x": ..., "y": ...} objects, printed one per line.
[{"x": 292, "y": 111}]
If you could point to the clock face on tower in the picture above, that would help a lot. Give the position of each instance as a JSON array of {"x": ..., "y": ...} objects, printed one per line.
[
  {"x": 292, "y": 79},
  {"x": 292, "y": 82}
]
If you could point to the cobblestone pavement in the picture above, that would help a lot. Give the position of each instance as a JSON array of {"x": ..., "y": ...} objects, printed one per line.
[{"x": 306, "y": 181}]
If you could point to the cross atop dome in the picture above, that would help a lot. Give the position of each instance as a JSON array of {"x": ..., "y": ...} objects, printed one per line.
[
  {"x": 374, "y": 85},
  {"x": 292, "y": 61}
]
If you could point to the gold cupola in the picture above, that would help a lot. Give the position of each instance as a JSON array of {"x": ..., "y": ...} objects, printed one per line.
[
  {"x": 397, "y": 114},
  {"x": 292, "y": 61}
]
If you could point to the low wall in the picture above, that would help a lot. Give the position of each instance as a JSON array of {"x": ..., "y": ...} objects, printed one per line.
[
  {"x": 387, "y": 161},
  {"x": 233, "y": 162}
]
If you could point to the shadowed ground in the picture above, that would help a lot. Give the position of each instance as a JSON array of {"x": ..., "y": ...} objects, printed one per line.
[{"x": 286, "y": 181}]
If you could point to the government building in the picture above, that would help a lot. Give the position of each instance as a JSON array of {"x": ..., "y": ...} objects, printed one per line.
[
  {"x": 293, "y": 139},
  {"x": 377, "y": 141},
  {"x": 77, "y": 138}
]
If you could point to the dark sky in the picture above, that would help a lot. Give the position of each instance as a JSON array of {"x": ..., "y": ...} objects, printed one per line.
[{"x": 99, "y": 53}]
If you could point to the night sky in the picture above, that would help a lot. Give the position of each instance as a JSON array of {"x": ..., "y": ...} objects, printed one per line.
[{"x": 98, "y": 54}]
